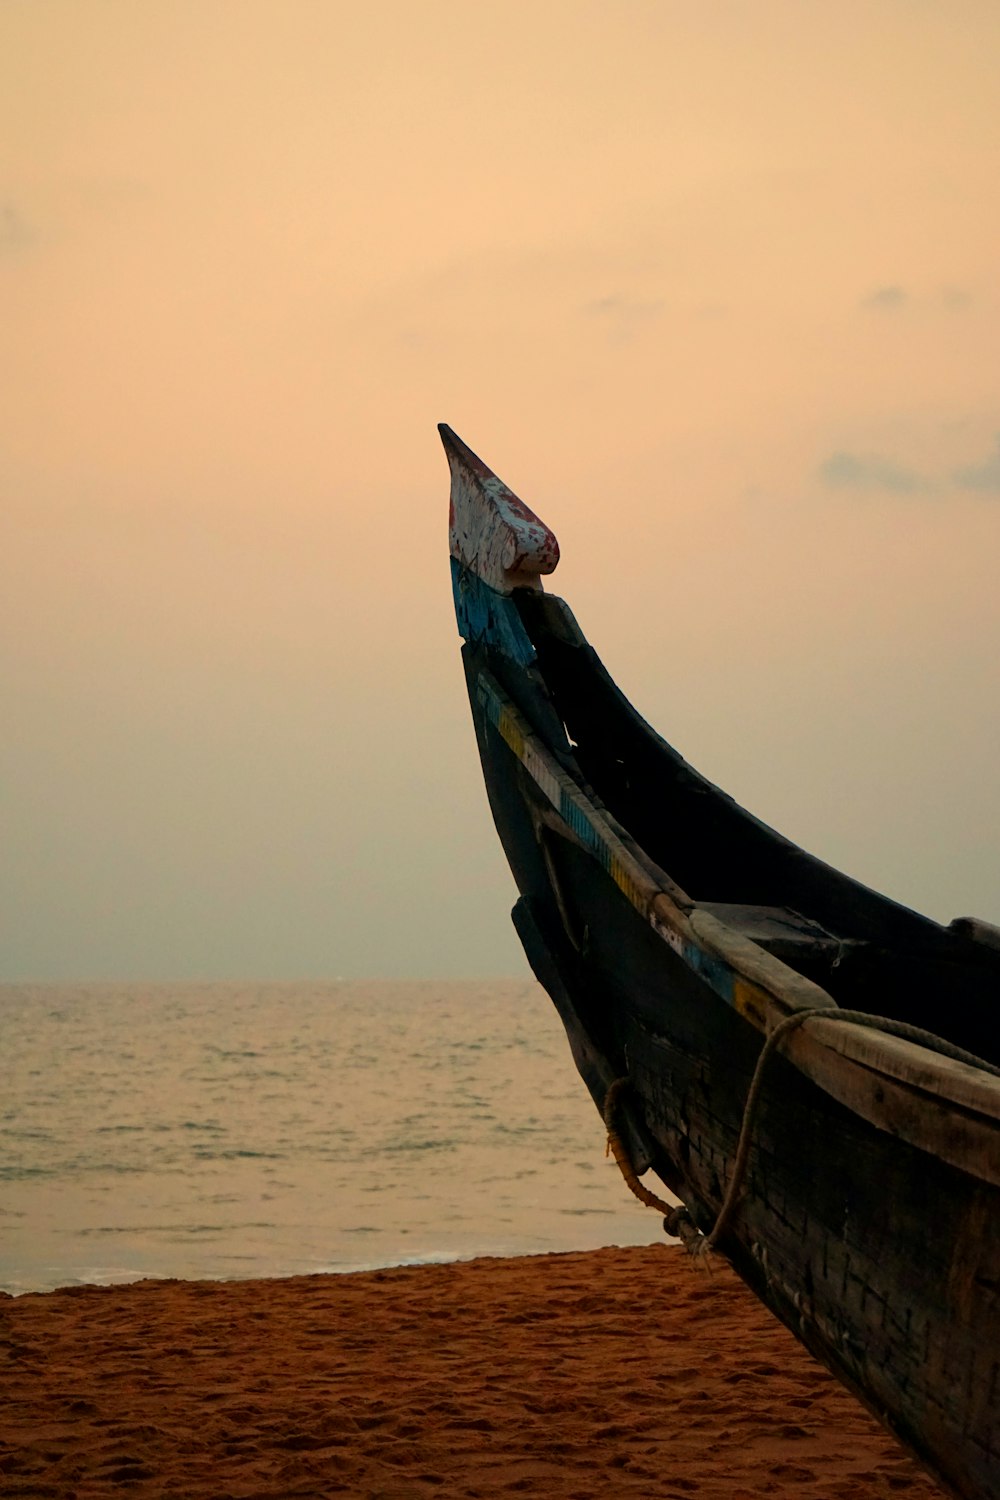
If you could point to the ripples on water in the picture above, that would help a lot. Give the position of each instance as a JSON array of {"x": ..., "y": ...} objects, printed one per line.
[{"x": 267, "y": 1129}]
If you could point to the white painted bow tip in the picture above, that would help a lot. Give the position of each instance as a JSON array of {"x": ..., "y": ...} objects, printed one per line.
[{"x": 491, "y": 531}]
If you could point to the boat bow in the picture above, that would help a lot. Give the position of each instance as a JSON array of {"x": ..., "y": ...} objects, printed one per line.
[
  {"x": 675, "y": 932},
  {"x": 491, "y": 531}
]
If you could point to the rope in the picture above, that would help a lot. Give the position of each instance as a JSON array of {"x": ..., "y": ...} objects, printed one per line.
[
  {"x": 618, "y": 1149},
  {"x": 908, "y": 1033},
  {"x": 678, "y": 1221},
  {"x": 742, "y": 1156}
]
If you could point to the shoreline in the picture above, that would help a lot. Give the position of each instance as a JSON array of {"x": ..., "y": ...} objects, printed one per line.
[
  {"x": 113, "y": 1278},
  {"x": 575, "y": 1376}
]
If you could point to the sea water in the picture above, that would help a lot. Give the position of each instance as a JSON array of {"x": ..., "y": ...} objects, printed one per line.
[{"x": 244, "y": 1130}]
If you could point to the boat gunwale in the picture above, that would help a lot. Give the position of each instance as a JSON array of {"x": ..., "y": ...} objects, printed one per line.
[{"x": 761, "y": 988}]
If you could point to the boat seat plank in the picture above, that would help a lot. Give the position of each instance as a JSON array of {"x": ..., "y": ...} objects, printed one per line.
[{"x": 779, "y": 930}]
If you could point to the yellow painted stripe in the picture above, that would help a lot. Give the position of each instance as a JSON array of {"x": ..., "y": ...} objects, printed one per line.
[{"x": 750, "y": 1001}]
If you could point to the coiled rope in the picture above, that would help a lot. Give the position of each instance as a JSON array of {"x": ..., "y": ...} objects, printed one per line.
[{"x": 678, "y": 1221}]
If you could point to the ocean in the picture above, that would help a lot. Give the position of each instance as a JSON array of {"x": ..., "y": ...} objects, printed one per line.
[{"x": 253, "y": 1130}]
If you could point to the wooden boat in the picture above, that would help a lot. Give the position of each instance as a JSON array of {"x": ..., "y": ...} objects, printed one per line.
[{"x": 810, "y": 1068}]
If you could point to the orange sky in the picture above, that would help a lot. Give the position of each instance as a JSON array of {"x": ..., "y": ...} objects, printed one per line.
[{"x": 713, "y": 287}]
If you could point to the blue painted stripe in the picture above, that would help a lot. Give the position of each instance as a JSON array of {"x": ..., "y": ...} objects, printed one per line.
[
  {"x": 715, "y": 971},
  {"x": 577, "y": 818},
  {"x": 489, "y": 618}
]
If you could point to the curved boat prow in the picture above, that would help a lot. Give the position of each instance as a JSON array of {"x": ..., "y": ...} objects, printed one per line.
[
  {"x": 675, "y": 933},
  {"x": 491, "y": 532}
]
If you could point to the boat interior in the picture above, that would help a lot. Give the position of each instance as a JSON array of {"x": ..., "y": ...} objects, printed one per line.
[{"x": 868, "y": 952}]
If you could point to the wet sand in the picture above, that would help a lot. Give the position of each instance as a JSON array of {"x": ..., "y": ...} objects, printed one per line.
[{"x": 612, "y": 1373}]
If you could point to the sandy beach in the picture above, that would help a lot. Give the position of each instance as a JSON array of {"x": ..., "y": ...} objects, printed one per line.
[{"x": 620, "y": 1372}]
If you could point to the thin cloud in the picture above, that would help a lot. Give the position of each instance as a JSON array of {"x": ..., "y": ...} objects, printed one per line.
[
  {"x": 14, "y": 232},
  {"x": 65, "y": 211},
  {"x": 885, "y": 299},
  {"x": 890, "y": 299},
  {"x": 621, "y": 316},
  {"x": 956, "y": 298},
  {"x": 984, "y": 477},
  {"x": 870, "y": 471}
]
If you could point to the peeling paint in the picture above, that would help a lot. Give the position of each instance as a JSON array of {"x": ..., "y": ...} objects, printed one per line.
[{"x": 490, "y": 531}]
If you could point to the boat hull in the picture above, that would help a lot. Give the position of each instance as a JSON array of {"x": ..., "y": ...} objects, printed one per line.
[
  {"x": 879, "y": 1256},
  {"x": 810, "y": 1067}
]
